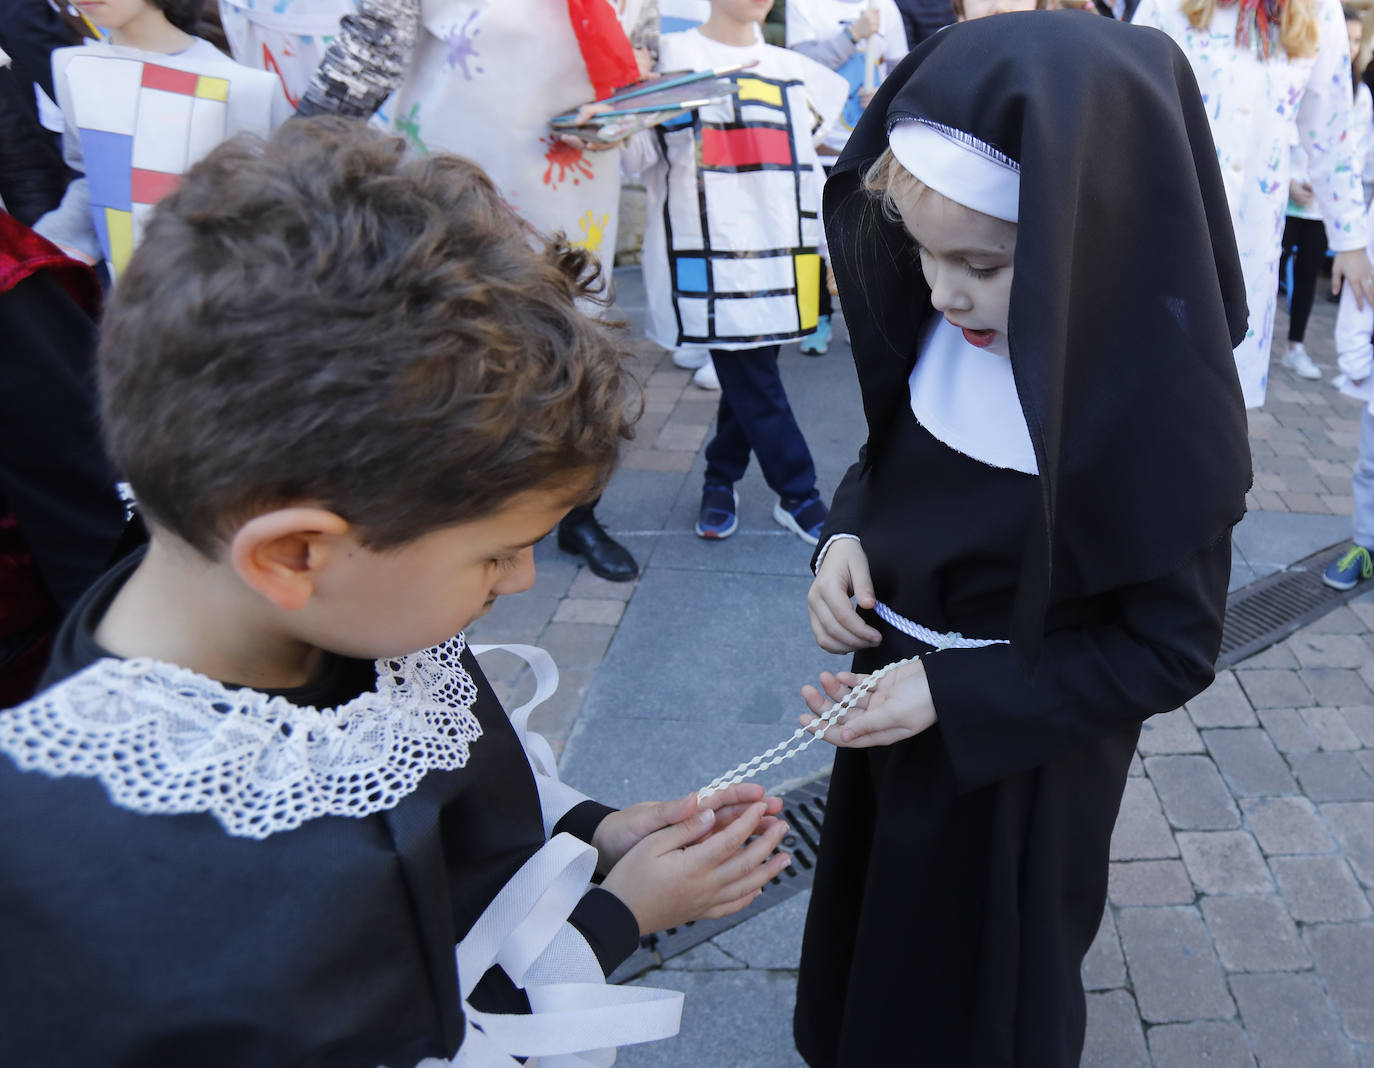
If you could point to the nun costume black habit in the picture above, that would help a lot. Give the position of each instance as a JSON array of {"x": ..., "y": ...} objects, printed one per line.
[{"x": 962, "y": 872}]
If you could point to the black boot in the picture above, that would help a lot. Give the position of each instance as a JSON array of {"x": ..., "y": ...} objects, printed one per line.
[{"x": 580, "y": 533}]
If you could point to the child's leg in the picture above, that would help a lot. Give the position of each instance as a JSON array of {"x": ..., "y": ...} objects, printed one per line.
[
  {"x": 752, "y": 388},
  {"x": 727, "y": 453},
  {"x": 1363, "y": 483},
  {"x": 1307, "y": 262}
]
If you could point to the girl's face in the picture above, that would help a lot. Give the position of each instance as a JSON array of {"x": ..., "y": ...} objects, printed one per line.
[
  {"x": 113, "y": 14},
  {"x": 966, "y": 257},
  {"x": 1355, "y": 28}
]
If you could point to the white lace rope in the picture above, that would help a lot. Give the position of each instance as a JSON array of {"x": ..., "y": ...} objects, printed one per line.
[{"x": 802, "y": 737}]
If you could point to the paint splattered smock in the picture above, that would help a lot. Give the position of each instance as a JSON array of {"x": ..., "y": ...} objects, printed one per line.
[
  {"x": 1255, "y": 106},
  {"x": 733, "y": 232}
]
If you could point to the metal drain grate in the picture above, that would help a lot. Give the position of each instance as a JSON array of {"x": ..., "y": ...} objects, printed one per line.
[
  {"x": 1267, "y": 611},
  {"x": 1257, "y": 616},
  {"x": 804, "y": 810}
]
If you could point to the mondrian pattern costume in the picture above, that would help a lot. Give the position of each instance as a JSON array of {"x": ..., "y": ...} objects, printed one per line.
[{"x": 731, "y": 248}]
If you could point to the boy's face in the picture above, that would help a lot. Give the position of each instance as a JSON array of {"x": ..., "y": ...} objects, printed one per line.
[
  {"x": 376, "y": 604},
  {"x": 966, "y": 257}
]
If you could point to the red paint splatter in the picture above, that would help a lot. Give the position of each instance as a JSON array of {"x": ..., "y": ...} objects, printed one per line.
[
  {"x": 269, "y": 62},
  {"x": 567, "y": 158}
]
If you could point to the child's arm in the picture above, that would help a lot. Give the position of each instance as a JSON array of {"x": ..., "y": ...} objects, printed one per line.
[
  {"x": 69, "y": 225},
  {"x": 366, "y": 62},
  {"x": 1354, "y": 327},
  {"x": 1154, "y": 649}
]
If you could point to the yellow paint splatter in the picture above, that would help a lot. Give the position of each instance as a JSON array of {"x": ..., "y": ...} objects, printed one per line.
[{"x": 593, "y": 231}]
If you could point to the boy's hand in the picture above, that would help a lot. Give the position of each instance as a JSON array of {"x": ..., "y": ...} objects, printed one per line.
[
  {"x": 899, "y": 707},
  {"x": 622, "y": 831},
  {"x": 1353, "y": 267},
  {"x": 865, "y": 25},
  {"x": 686, "y": 872},
  {"x": 844, "y": 573}
]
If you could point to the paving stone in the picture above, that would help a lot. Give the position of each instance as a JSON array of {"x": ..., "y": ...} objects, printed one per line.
[
  {"x": 1254, "y": 934},
  {"x": 1171, "y": 732},
  {"x": 1290, "y": 1023},
  {"x": 1141, "y": 831},
  {"x": 1249, "y": 763},
  {"x": 1319, "y": 889},
  {"x": 589, "y": 610},
  {"x": 1103, "y": 966},
  {"x": 1288, "y": 730},
  {"x": 1354, "y": 827},
  {"x": 1222, "y": 704},
  {"x": 707, "y": 957},
  {"x": 1340, "y": 620},
  {"x": 1336, "y": 686},
  {"x": 1137, "y": 768},
  {"x": 594, "y": 586},
  {"x": 576, "y": 644},
  {"x": 1286, "y": 825},
  {"x": 1276, "y": 656},
  {"x": 772, "y": 939},
  {"x": 1192, "y": 793},
  {"x": 556, "y": 716},
  {"x": 518, "y": 618},
  {"x": 1209, "y": 1043},
  {"x": 1331, "y": 729},
  {"x": 1333, "y": 777},
  {"x": 1224, "y": 862},
  {"x": 1173, "y": 966},
  {"x": 1270, "y": 688},
  {"x": 1367, "y": 760},
  {"x": 1328, "y": 650},
  {"x": 1345, "y": 961},
  {"x": 1149, "y": 882},
  {"x": 1113, "y": 1038},
  {"x": 1360, "y": 719}
]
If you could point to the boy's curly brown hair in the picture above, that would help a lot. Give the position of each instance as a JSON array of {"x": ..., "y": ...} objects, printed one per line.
[{"x": 320, "y": 318}]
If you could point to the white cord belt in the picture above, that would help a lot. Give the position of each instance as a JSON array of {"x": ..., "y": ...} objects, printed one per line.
[{"x": 804, "y": 736}]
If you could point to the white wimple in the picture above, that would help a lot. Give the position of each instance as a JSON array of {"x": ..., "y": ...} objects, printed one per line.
[{"x": 804, "y": 736}]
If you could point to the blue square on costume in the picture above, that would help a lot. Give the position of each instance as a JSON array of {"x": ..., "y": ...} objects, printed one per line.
[
  {"x": 691, "y": 275},
  {"x": 109, "y": 160},
  {"x": 678, "y": 123}
]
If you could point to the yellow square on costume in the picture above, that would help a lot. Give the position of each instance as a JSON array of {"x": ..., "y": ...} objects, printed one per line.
[
  {"x": 759, "y": 91},
  {"x": 808, "y": 290},
  {"x": 212, "y": 88},
  {"x": 120, "y": 226}
]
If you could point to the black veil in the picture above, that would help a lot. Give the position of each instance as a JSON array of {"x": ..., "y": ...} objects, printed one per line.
[{"x": 1127, "y": 296}]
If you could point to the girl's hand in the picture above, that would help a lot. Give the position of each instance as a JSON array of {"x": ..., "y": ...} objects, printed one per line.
[
  {"x": 621, "y": 831},
  {"x": 1300, "y": 192},
  {"x": 843, "y": 574},
  {"x": 899, "y": 707},
  {"x": 1352, "y": 266}
]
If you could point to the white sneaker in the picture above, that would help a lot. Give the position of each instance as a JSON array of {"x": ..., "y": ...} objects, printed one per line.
[
  {"x": 705, "y": 377},
  {"x": 1297, "y": 361},
  {"x": 691, "y": 359}
]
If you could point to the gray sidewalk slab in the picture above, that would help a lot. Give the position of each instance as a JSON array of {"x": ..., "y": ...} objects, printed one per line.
[{"x": 1240, "y": 919}]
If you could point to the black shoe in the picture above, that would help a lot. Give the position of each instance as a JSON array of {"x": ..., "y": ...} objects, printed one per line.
[{"x": 605, "y": 556}]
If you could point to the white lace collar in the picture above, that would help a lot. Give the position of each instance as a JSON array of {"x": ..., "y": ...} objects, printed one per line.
[
  {"x": 966, "y": 397},
  {"x": 164, "y": 740}
]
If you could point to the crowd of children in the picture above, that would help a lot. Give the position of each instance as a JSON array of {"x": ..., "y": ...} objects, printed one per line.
[{"x": 264, "y": 808}]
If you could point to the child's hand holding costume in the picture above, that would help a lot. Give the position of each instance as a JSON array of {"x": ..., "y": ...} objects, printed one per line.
[
  {"x": 843, "y": 574},
  {"x": 685, "y": 872},
  {"x": 621, "y": 831},
  {"x": 898, "y": 708}
]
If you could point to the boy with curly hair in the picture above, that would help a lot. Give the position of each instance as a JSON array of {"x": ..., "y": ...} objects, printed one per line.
[{"x": 268, "y": 790}]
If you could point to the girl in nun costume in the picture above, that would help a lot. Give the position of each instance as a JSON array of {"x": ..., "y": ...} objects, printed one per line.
[{"x": 1056, "y": 456}]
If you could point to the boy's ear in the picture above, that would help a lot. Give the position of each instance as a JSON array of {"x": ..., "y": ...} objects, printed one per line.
[{"x": 280, "y": 553}]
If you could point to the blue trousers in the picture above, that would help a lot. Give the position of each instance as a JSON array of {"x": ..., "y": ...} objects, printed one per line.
[{"x": 754, "y": 415}]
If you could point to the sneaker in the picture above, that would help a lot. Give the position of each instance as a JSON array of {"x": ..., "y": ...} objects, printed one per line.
[
  {"x": 817, "y": 343},
  {"x": 718, "y": 518},
  {"x": 705, "y": 377},
  {"x": 1297, "y": 361},
  {"x": 803, "y": 517},
  {"x": 1349, "y": 569},
  {"x": 691, "y": 359}
]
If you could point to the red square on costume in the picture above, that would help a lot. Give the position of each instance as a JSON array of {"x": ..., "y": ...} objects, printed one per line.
[
  {"x": 750, "y": 146},
  {"x": 148, "y": 187},
  {"x": 172, "y": 81}
]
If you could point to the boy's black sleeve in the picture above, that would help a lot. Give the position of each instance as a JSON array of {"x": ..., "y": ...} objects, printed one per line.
[{"x": 1156, "y": 650}]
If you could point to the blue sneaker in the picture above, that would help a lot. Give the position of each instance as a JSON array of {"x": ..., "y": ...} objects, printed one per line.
[
  {"x": 803, "y": 517},
  {"x": 717, "y": 518},
  {"x": 818, "y": 343},
  {"x": 1349, "y": 569}
]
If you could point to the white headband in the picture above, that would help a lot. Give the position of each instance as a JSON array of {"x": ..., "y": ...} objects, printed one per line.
[{"x": 959, "y": 166}]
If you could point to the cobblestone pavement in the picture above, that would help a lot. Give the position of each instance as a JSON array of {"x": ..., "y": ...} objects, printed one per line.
[{"x": 1239, "y": 929}]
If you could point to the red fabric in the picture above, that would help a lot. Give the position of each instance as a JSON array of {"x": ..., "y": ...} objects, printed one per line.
[
  {"x": 605, "y": 49},
  {"x": 23, "y": 252},
  {"x": 750, "y": 146},
  {"x": 170, "y": 79}
]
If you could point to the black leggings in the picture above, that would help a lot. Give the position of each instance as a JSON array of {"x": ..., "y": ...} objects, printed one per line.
[{"x": 1305, "y": 239}]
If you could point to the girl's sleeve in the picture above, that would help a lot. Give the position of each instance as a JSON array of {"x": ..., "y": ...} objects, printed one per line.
[
  {"x": 1354, "y": 328},
  {"x": 639, "y": 154},
  {"x": 811, "y": 40},
  {"x": 1155, "y": 648},
  {"x": 70, "y": 223},
  {"x": 894, "y": 31},
  {"x": 366, "y": 62},
  {"x": 1147, "y": 14},
  {"x": 1325, "y": 131}
]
